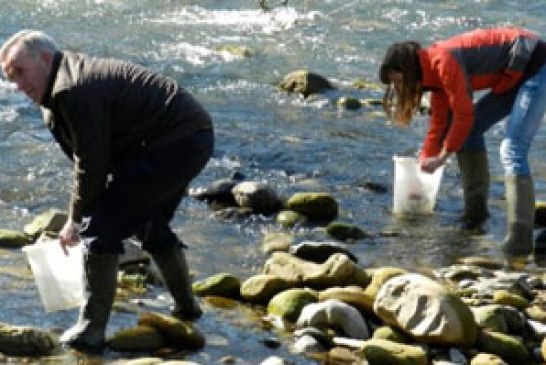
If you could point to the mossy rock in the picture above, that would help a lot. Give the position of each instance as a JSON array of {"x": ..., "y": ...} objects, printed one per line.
[
  {"x": 345, "y": 231},
  {"x": 13, "y": 239},
  {"x": 51, "y": 220},
  {"x": 175, "y": 332},
  {"x": 503, "y": 345},
  {"x": 222, "y": 285},
  {"x": 289, "y": 303},
  {"x": 318, "y": 206},
  {"x": 136, "y": 339}
]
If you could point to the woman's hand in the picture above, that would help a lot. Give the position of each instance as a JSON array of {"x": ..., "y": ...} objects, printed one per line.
[
  {"x": 69, "y": 235},
  {"x": 430, "y": 164}
]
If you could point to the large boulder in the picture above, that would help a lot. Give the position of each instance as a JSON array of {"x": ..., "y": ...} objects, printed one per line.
[{"x": 425, "y": 310}]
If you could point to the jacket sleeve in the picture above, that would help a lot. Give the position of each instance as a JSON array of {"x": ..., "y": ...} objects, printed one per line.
[
  {"x": 438, "y": 125},
  {"x": 87, "y": 122},
  {"x": 454, "y": 96}
]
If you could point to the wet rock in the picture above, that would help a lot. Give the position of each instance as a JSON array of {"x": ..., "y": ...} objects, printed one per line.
[
  {"x": 343, "y": 356},
  {"x": 232, "y": 213},
  {"x": 537, "y": 313},
  {"x": 507, "y": 298},
  {"x": 277, "y": 241},
  {"x": 379, "y": 277},
  {"x": 324, "y": 340},
  {"x": 507, "y": 347},
  {"x": 345, "y": 231},
  {"x": 223, "y": 285},
  {"x": 218, "y": 192},
  {"x": 338, "y": 270},
  {"x": 290, "y": 218},
  {"x": 236, "y": 50},
  {"x": 175, "y": 333},
  {"x": 261, "y": 288},
  {"x": 307, "y": 344},
  {"x": 391, "y": 334},
  {"x": 481, "y": 261},
  {"x": 352, "y": 295},
  {"x": 499, "y": 318},
  {"x": 257, "y": 196},
  {"x": 381, "y": 352},
  {"x": 334, "y": 314},
  {"x": 425, "y": 310},
  {"x": 51, "y": 220},
  {"x": 289, "y": 303},
  {"x": 25, "y": 341},
  {"x": 348, "y": 103},
  {"x": 305, "y": 83},
  {"x": 275, "y": 360},
  {"x": 487, "y": 359},
  {"x": 463, "y": 272},
  {"x": 136, "y": 339},
  {"x": 319, "y": 252},
  {"x": 13, "y": 239},
  {"x": 317, "y": 206}
]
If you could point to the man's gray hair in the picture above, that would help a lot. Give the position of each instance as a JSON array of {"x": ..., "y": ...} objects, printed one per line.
[{"x": 32, "y": 41}]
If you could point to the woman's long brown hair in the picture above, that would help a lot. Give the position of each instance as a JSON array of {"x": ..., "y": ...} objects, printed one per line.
[{"x": 401, "y": 105}]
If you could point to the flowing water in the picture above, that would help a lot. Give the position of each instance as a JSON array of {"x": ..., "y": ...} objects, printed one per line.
[{"x": 265, "y": 134}]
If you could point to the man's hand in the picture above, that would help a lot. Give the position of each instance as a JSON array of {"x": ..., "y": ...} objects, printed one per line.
[{"x": 69, "y": 235}]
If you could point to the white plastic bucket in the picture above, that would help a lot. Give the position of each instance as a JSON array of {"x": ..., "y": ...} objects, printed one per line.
[
  {"x": 59, "y": 277},
  {"x": 414, "y": 190}
]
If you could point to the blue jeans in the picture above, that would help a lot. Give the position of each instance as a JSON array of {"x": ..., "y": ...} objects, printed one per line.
[
  {"x": 143, "y": 196},
  {"x": 525, "y": 108}
]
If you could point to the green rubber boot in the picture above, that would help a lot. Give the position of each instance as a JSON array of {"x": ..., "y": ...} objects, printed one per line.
[
  {"x": 520, "y": 217},
  {"x": 474, "y": 170}
]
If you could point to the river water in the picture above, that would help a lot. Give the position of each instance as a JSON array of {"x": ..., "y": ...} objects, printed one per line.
[{"x": 265, "y": 134}]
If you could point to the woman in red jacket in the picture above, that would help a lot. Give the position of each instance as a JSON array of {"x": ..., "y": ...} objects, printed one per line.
[{"x": 509, "y": 63}]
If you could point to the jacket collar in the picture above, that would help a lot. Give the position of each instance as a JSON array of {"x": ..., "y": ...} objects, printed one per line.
[
  {"x": 430, "y": 79},
  {"x": 46, "y": 101}
]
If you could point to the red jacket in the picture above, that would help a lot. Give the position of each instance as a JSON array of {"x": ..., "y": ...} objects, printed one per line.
[{"x": 452, "y": 69}]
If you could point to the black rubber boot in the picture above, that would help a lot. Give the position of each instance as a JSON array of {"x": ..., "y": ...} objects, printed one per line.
[
  {"x": 100, "y": 283},
  {"x": 540, "y": 249},
  {"x": 474, "y": 170},
  {"x": 171, "y": 263}
]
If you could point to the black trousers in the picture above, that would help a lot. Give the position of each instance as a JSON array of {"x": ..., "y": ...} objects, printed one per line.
[{"x": 143, "y": 196}]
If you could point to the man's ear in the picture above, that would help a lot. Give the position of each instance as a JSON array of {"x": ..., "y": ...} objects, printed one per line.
[{"x": 47, "y": 58}]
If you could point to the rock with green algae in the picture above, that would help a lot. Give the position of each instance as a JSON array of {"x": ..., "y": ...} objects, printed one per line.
[
  {"x": 13, "y": 239},
  {"x": 381, "y": 352},
  {"x": 136, "y": 339},
  {"x": 506, "y": 346},
  {"x": 25, "y": 341},
  {"x": 346, "y": 231},
  {"x": 262, "y": 287},
  {"x": 52, "y": 220},
  {"x": 222, "y": 285},
  {"x": 175, "y": 333},
  {"x": 289, "y": 303},
  {"x": 317, "y": 206}
]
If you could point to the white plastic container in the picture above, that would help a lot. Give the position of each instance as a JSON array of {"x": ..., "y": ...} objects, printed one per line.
[
  {"x": 58, "y": 276},
  {"x": 414, "y": 190}
]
